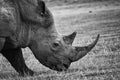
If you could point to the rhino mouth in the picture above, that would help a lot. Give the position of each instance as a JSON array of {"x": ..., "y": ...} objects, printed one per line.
[
  {"x": 60, "y": 68},
  {"x": 58, "y": 63}
]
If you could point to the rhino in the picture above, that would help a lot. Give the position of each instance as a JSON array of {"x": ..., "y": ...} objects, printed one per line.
[{"x": 29, "y": 23}]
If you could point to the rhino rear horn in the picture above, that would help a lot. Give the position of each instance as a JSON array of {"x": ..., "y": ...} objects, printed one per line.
[
  {"x": 70, "y": 38},
  {"x": 82, "y": 51}
]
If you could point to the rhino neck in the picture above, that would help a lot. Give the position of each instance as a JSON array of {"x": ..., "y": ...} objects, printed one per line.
[{"x": 23, "y": 35}]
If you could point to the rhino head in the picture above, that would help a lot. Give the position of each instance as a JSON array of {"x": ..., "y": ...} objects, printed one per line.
[
  {"x": 31, "y": 24},
  {"x": 51, "y": 49},
  {"x": 57, "y": 53}
]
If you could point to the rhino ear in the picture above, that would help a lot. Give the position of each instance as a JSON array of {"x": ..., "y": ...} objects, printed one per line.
[
  {"x": 41, "y": 7},
  {"x": 70, "y": 38}
]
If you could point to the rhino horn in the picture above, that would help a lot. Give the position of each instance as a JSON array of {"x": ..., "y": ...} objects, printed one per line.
[
  {"x": 70, "y": 38},
  {"x": 82, "y": 51}
]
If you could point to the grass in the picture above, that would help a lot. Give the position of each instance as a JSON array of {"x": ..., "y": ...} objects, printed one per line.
[{"x": 102, "y": 63}]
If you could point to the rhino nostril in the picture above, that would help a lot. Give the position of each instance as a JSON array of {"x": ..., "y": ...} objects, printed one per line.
[{"x": 65, "y": 65}]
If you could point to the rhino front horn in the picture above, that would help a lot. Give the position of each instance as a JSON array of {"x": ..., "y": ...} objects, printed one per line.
[
  {"x": 70, "y": 38},
  {"x": 82, "y": 51}
]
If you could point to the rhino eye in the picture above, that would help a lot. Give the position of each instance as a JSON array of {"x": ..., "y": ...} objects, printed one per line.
[
  {"x": 55, "y": 45},
  {"x": 42, "y": 14}
]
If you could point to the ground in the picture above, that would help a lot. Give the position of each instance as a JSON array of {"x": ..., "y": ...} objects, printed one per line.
[{"x": 88, "y": 19}]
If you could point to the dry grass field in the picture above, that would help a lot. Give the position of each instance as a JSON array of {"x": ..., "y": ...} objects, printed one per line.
[{"x": 88, "y": 19}]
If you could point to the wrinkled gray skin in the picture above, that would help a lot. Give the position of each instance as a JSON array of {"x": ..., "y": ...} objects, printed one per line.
[{"x": 28, "y": 23}]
